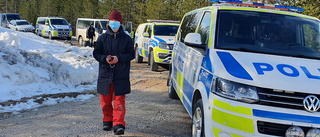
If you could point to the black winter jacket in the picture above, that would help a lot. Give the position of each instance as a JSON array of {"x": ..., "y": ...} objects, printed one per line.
[
  {"x": 90, "y": 32},
  {"x": 115, "y": 44}
]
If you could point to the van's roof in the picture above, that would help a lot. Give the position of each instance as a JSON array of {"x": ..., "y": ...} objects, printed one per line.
[
  {"x": 11, "y": 13},
  {"x": 173, "y": 24},
  {"x": 53, "y": 17},
  {"x": 93, "y": 19},
  {"x": 232, "y": 7}
]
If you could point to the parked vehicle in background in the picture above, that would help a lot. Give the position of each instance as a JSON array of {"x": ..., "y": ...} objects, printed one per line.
[
  {"x": 21, "y": 25},
  {"x": 83, "y": 24},
  {"x": 53, "y": 27},
  {"x": 128, "y": 27},
  {"x": 248, "y": 71},
  {"x": 5, "y": 18},
  {"x": 154, "y": 41},
  {"x": 100, "y": 26}
]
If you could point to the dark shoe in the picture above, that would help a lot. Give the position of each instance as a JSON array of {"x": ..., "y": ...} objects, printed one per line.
[
  {"x": 118, "y": 129},
  {"x": 107, "y": 126}
]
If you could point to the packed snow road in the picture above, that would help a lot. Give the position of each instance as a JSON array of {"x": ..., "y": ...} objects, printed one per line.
[{"x": 150, "y": 112}]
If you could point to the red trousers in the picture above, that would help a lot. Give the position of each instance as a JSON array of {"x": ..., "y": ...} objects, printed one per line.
[{"x": 116, "y": 112}]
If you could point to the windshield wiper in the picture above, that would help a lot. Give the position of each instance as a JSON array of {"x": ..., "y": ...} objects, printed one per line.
[{"x": 305, "y": 56}]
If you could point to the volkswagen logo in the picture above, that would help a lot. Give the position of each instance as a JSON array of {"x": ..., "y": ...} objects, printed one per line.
[{"x": 311, "y": 103}]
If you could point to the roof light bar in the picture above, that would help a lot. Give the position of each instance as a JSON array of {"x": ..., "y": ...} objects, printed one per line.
[
  {"x": 163, "y": 21},
  {"x": 262, "y": 5}
]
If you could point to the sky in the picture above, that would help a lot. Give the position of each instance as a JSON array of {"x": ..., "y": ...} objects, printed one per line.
[{"x": 31, "y": 65}]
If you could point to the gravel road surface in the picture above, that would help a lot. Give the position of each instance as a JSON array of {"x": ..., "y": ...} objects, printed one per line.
[{"x": 150, "y": 112}]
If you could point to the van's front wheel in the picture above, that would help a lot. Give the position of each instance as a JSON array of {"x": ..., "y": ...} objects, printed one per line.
[
  {"x": 153, "y": 64},
  {"x": 172, "y": 92},
  {"x": 38, "y": 33},
  {"x": 139, "y": 59},
  {"x": 197, "y": 120},
  {"x": 80, "y": 41},
  {"x": 50, "y": 35}
]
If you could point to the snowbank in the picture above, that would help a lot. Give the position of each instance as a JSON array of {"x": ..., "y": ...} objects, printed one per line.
[{"x": 31, "y": 65}]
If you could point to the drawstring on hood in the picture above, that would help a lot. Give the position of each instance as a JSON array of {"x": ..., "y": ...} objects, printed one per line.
[{"x": 115, "y": 34}]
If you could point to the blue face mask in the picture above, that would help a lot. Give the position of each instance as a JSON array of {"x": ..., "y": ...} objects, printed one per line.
[{"x": 114, "y": 25}]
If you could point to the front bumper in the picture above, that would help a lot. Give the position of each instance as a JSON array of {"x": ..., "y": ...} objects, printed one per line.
[
  {"x": 61, "y": 33},
  {"x": 162, "y": 56},
  {"x": 26, "y": 30},
  {"x": 242, "y": 119}
]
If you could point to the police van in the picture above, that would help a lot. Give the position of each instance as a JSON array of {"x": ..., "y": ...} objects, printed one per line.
[
  {"x": 154, "y": 40},
  {"x": 248, "y": 71},
  {"x": 53, "y": 27}
]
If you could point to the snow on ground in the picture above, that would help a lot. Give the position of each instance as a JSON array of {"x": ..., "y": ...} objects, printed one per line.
[{"x": 31, "y": 65}]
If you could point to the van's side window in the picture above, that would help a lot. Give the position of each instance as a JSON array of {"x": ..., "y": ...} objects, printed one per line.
[
  {"x": 204, "y": 28},
  {"x": 41, "y": 21},
  {"x": 150, "y": 30},
  {"x": 80, "y": 24},
  {"x": 47, "y": 21},
  {"x": 97, "y": 27},
  {"x": 145, "y": 29},
  {"x": 189, "y": 24}
]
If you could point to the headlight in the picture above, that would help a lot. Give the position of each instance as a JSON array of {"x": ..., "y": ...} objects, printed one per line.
[
  {"x": 313, "y": 133},
  {"x": 294, "y": 131},
  {"x": 163, "y": 46},
  {"x": 54, "y": 29},
  {"x": 236, "y": 91}
]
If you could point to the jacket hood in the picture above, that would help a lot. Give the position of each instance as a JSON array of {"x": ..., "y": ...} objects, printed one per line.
[
  {"x": 269, "y": 71},
  {"x": 110, "y": 32}
]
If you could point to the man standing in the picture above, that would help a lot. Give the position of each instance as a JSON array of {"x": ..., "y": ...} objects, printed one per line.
[
  {"x": 90, "y": 34},
  {"x": 114, "y": 51}
]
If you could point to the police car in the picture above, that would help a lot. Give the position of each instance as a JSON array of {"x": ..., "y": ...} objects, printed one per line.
[
  {"x": 154, "y": 41},
  {"x": 53, "y": 27},
  {"x": 248, "y": 71}
]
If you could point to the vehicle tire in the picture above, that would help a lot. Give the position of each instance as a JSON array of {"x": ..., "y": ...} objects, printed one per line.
[
  {"x": 138, "y": 58},
  {"x": 198, "y": 120},
  {"x": 80, "y": 40},
  {"x": 172, "y": 92},
  {"x": 50, "y": 35},
  {"x": 149, "y": 60},
  {"x": 38, "y": 33},
  {"x": 153, "y": 64}
]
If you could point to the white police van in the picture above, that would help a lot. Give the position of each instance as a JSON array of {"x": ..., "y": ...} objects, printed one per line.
[
  {"x": 154, "y": 41},
  {"x": 242, "y": 71},
  {"x": 53, "y": 27}
]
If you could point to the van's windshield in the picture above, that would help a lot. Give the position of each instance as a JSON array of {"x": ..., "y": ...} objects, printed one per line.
[
  {"x": 13, "y": 17},
  {"x": 165, "y": 30},
  {"x": 23, "y": 23},
  {"x": 58, "y": 22},
  {"x": 268, "y": 33}
]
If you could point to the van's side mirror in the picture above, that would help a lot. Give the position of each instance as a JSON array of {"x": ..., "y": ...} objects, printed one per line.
[
  {"x": 145, "y": 34},
  {"x": 47, "y": 24},
  {"x": 194, "y": 40},
  {"x": 31, "y": 24},
  {"x": 69, "y": 24}
]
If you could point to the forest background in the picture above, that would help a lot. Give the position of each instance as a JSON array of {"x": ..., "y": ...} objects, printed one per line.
[{"x": 136, "y": 11}]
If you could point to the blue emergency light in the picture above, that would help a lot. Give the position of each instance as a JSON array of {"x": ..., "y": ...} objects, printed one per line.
[{"x": 255, "y": 4}]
